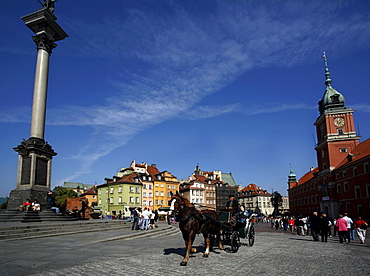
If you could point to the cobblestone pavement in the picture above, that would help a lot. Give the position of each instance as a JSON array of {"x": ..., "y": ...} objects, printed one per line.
[{"x": 274, "y": 253}]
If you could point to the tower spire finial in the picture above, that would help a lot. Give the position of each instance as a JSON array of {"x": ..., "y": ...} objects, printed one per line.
[{"x": 327, "y": 73}]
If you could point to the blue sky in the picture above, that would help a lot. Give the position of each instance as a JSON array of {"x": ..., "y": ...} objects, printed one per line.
[{"x": 231, "y": 85}]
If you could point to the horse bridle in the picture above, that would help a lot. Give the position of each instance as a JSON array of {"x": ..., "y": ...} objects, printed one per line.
[{"x": 181, "y": 204}]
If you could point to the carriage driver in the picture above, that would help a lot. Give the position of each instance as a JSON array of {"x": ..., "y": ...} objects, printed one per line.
[{"x": 232, "y": 205}]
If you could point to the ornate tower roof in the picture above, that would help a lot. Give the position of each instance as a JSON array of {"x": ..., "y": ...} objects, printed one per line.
[
  {"x": 292, "y": 177},
  {"x": 332, "y": 99}
]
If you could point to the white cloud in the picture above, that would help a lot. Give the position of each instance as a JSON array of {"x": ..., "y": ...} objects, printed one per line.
[{"x": 186, "y": 56}]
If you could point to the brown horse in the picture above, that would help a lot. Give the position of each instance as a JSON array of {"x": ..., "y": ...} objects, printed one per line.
[{"x": 194, "y": 222}]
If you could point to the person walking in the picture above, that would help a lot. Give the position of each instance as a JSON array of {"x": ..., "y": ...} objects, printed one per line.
[
  {"x": 314, "y": 225},
  {"x": 351, "y": 235},
  {"x": 156, "y": 217},
  {"x": 324, "y": 227},
  {"x": 361, "y": 227},
  {"x": 341, "y": 226},
  {"x": 135, "y": 217}
]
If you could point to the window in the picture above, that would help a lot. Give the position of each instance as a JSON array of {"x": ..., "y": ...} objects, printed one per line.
[
  {"x": 144, "y": 186},
  {"x": 111, "y": 190},
  {"x": 345, "y": 187},
  {"x": 368, "y": 190},
  {"x": 156, "y": 194},
  {"x": 156, "y": 202},
  {"x": 120, "y": 189},
  {"x": 120, "y": 199},
  {"x": 348, "y": 206},
  {"x": 106, "y": 190},
  {"x": 136, "y": 180},
  {"x": 355, "y": 171},
  {"x": 162, "y": 202},
  {"x": 150, "y": 194},
  {"x": 150, "y": 186},
  {"x": 340, "y": 131},
  {"x": 359, "y": 208},
  {"x": 131, "y": 189},
  {"x": 173, "y": 186},
  {"x": 168, "y": 186},
  {"x": 338, "y": 188},
  {"x": 162, "y": 185},
  {"x": 367, "y": 169},
  {"x": 159, "y": 177},
  {"x": 162, "y": 193},
  {"x": 99, "y": 201},
  {"x": 169, "y": 194},
  {"x": 144, "y": 194},
  {"x": 111, "y": 200},
  {"x": 144, "y": 177},
  {"x": 150, "y": 203},
  {"x": 343, "y": 150},
  {"x": 344, "y": 174},
  {"x": 137, "y": 199},
  {"x": 137, "y": 190},
  {"x": 357, "y": 192},
  {"x": 131, "y": 199},
  {"x": 144, "y": 203},
  {"x": 99, "y": 191}
]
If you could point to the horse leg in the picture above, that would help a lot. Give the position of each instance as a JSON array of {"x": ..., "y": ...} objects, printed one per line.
[
  {"x": 219, "y": 242},
  {"x": 207, "y": 242},
  {"x": 189, "y": 239}
]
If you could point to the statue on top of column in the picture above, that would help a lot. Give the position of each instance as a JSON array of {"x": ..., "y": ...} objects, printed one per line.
[{"x": 49, "y": 4}]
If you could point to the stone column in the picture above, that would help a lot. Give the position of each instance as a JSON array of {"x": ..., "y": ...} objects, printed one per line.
[{"x": 35, "y": 154}]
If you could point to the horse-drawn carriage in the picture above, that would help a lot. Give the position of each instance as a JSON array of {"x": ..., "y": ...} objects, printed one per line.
[
  {"x": 235, "y": 227},
  {"x": 212, "y": 225}
]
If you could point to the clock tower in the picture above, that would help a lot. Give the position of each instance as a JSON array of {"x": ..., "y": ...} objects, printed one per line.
[{"x": 336, "y": 134}]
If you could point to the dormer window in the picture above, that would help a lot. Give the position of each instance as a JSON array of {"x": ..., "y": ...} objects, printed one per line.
[{"x": 335, "y": 98}]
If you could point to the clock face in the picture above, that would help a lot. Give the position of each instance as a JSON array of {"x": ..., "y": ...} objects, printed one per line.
[{"x": 339, "y": 122}]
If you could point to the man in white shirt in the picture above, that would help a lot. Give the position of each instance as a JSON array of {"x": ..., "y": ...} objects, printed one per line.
[
  {"x": 350, "y": 235},
  {"x": 145, "y": 216}
]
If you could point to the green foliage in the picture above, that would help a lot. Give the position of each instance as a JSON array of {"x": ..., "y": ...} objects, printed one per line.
[
  {"x": 62, "y": 193},
  {"x": 276, "y": 199},
  {"x": 4, "y": 205}
]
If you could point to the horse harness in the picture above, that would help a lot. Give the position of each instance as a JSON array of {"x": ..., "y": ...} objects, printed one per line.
[{"x": 198, "y": 215}]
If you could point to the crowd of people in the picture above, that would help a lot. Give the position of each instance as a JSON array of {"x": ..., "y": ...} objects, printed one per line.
[
  {"x": 145, "y": 220},
  {"x": 322, "y": 227}
]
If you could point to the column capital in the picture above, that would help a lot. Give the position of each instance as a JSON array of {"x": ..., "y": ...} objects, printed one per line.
[{"x": 44, "y": 42}]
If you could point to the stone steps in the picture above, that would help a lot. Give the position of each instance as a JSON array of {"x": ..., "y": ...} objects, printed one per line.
[
  {"x": 30, "y": 216},
  {"x": 46, "y": 230}
]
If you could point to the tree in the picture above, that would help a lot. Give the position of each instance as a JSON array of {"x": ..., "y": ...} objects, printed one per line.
[
  {"x": 62, "y": 193},
  {"x": 277, "y": 201}
]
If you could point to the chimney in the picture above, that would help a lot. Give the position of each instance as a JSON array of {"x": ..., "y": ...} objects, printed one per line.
[{"x": 154, "y": 166}]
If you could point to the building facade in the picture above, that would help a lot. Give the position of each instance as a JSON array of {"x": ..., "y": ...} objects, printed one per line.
[
  {"x": 254, "y": 198},
  {"x": 341, "y": 181}
]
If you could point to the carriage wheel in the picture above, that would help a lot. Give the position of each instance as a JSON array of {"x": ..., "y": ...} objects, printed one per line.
[
  {"x": 235, "y": 241},
  {"x": 251, "y": 236},
  {"x": 226, "y": 236}
]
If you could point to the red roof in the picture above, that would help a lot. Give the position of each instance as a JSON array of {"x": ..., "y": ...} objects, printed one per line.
[
  {"x": 308, "y": 176},
  {"x": 254, "y": 189},
  {"x": 153, "y": 171},
  {"x": 361, "y": 151}
]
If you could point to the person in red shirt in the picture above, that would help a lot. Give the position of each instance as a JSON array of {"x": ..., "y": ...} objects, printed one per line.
[
  {"x": 361, "y": 227},
  {"x": 26, "y": 205}
]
